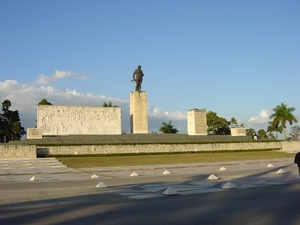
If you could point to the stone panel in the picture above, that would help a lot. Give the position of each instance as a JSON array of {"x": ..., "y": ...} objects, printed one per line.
[
  {"x": 138, "y": 112},
  {"x": 64, "y": 120},
  {"x": 196, "y": 121},
  {"x": 238, "y": 132},
  {"x": 34, "y": 133}
]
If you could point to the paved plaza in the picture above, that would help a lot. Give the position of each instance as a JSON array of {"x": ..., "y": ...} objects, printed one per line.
[
  {"x": 140, "y": 182},
  {"x": 45, "y": 191}
]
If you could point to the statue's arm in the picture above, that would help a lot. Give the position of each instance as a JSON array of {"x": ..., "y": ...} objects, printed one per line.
[{"x": 133, "y": 75}]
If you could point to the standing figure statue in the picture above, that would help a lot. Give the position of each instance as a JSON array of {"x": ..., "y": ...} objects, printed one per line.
[{"x": 138, "y": 78}]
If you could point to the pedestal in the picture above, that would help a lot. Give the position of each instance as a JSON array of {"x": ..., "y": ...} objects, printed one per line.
[{"x": 138, "y": 112}]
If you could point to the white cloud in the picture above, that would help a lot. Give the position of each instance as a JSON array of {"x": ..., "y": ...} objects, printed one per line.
[
  {"x": 58, "y": 75},
  {"x": 25, "y": 97},
  {"x": 158, "y": 113},
  {"x": 176, "y": 115},
  {"x": 263, "y": 117},
  {"x": 156, "y": 116}
]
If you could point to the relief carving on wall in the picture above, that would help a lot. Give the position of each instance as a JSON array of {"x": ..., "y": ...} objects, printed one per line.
[{"x": 63, "y": 120}]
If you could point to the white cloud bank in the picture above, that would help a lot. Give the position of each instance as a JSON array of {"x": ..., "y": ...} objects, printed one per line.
[{"x": 58, "y": 75}]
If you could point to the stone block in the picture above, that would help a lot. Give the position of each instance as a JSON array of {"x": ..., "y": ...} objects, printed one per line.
[
  {"x": 18, "y": 151},
  {"x": 238, "y": 131},
  {"x": 196, "y": 121},
  {"x": 34, "y": 133}
]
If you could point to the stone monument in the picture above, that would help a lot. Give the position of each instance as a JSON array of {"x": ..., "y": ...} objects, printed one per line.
[
  {"x": 65, "y": 120},
  {"x": 196, "y": 121},
  {"x": 240, "y": 131},
  {"x": 138, "y": 112}
]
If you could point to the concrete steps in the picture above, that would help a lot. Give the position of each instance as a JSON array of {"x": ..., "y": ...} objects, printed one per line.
[{"x": 39, "y": 163}]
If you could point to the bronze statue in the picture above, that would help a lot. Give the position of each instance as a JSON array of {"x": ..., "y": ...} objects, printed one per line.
[{"x": 138, "y": 78}]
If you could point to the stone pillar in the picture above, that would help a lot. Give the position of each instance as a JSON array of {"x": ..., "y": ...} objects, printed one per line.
[
  {"x": 196, "y": 121},
  {"x": 138, "y": 112}
]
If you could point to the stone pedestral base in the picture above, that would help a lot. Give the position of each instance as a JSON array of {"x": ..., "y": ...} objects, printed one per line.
[{"x": 138, "y": 112}]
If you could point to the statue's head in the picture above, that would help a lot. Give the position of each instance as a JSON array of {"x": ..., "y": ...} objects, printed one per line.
[{"x": 139, "y": 66}]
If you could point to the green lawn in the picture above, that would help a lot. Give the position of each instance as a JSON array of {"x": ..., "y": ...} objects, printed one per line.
[{"x": 107, "y": 161}]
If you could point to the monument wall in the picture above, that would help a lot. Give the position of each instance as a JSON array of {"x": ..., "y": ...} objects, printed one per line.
[{"x": 64, "y": 120}]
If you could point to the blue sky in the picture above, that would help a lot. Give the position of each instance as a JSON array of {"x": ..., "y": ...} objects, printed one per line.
[{"x": 237, "y": 58}]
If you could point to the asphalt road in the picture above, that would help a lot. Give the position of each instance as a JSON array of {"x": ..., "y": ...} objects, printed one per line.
[{"x": 274, "y": 205}]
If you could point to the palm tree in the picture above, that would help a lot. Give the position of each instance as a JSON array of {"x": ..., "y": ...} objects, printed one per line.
[
  {"x": 274, "y": 128},
  {"x": 283, "y": 114},
  {"x": 109, "y": 104},
  {"x": 167, "y": 128}
]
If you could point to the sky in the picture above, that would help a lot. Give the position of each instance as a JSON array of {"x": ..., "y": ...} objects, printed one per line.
[{"x": 236, "y": 58}]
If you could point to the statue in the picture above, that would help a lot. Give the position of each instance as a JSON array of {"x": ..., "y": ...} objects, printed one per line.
[{"x": 138, "y": 78}]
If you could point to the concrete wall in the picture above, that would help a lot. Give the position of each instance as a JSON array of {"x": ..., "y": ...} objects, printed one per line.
[
  {"x": 291, "y": 146},
  {"x": 31, "y": 151},
  {"x": 152, "y": 148},
  {"x": 64, "y": 120},
  {"x": 17, "y": 151}
]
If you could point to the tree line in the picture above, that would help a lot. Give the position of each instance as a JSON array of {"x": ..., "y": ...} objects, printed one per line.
[{"x": 11, "y": 128}]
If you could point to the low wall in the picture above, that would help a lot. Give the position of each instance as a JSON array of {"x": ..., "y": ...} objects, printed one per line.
[
  {"x": 32, "y": 151},
  {"x": 290, "y": 146},
  {"x": 152, "y": 148},
  {"x": 18, "y": 151}
]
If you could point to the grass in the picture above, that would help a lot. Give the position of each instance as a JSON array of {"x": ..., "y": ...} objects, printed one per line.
[{"x": 107, "y": 161}]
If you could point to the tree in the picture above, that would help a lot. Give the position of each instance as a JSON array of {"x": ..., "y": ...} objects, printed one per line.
[
  {"x": 109, "y": 104},
  {"x": 234, "y": 124},
  {"x": 217, "y": 125},
  {"x": 262, "y": 133},
  {"x": 282, "y": 114},
  {"x": 250, "y": 131},
  {"x": 10, "y": 125},
  {"x": 295, "y": 133},
  {"x": 44, "y": 102},
  {"x": 167, "y": 128},
  {"x": 274, "y": 128}
]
